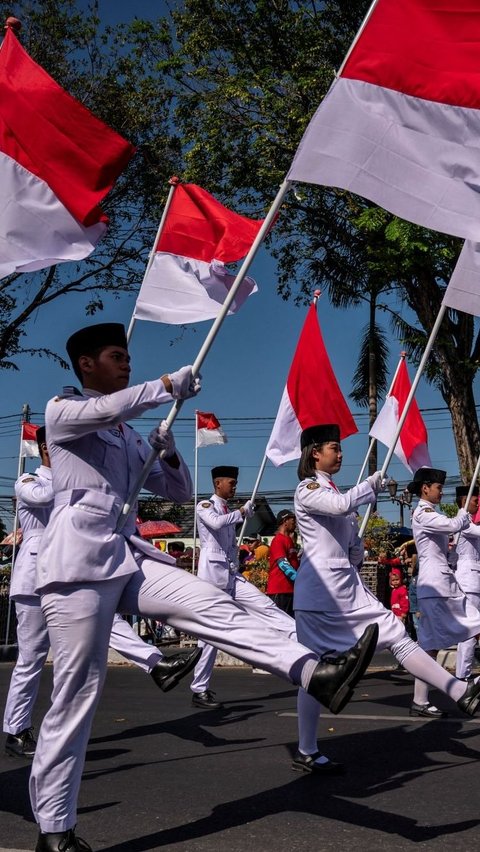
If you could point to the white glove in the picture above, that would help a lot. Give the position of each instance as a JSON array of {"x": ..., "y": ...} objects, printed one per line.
[
  {"x": 376, "y": 481},
  {"x": 184, "y": 385},
  {"x": 249, "y": 509},
  {"x": 162, "y": 440},
  {"x": 464, "y": 517}
]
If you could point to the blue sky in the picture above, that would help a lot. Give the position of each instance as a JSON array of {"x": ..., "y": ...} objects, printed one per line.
[{"x": 243, "y": 375}]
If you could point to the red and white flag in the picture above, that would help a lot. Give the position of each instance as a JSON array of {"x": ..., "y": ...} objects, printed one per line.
[
  {"x": 28, "y": 445},
  {"x": 412, "y": 445},
  {"x": 209, "y": 431},
  {"x": 401, "y": 124},
  {"x": 57, "y": 162},
  {"x": 311, "y": 397},
  {"x": 187, "y": 280}
]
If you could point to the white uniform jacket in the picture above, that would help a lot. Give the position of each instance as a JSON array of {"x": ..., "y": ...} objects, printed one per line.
[
  {"x": 35, "y": 502},
  {"x": 94, "y": 464},
  {"x": 216, "y": 530},
  {"x": 467, "y": 574},
  {"x": 431, "y": 531},
  {"x": 327, "y": 578}
]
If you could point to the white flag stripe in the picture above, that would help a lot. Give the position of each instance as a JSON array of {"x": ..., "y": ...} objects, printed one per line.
[
  {"x": 414, "y": 157},
  {"x": 36, "y": 230},
  {"x": 284, "y": 442},
  {"x": 181, "y": 290},
  {"x": 384, "y": 430},
  {"x": 210, "y": 437}
]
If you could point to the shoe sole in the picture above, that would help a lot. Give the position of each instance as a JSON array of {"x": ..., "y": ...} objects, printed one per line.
[
  {"x": 306, "y": 770},
  {"x": 345, "y": 691},
  {"x": 472, "y": 705},
  {"x": 172, "y": 680},
  {"x": 12, "y": 753},
  {"x": 426, "y": 715}
]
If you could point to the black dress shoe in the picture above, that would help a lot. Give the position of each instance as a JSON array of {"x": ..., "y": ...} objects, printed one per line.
[
  {"x": 65, "y": 841},
  {"x": 168, "y": 672},
  {"x": 22, "y": 744},
  {"x": 470, "y": 699},
  {"x": 206, "y": 700},
  {"x": 427, "y": 710},
  {"x": 335, "y": 677},
  {"x": 306, "y": 763}
]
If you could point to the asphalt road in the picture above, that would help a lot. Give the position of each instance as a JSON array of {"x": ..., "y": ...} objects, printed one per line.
[{"x": 162, "y": 775}]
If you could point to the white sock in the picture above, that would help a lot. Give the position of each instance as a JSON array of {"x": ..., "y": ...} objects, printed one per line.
[
  {"x": 424, "y": 667},
  {"x": 420, "y": 692},
  {"x": 308, "y": 715}
]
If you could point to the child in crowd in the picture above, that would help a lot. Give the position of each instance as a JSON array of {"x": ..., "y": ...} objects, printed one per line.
[{"x": 399, "y": 597}]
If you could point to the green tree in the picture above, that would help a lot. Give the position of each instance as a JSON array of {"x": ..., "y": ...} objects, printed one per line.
[{"x": 246, "y": 76}]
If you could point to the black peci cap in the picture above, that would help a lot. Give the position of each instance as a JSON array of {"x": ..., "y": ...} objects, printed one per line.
[
  {"x": 425, "y": 474},
  {"x": 320, "y": 434},
  {"x": 225, "y": 470},
  {"x": 283, "y": 515},
  {"x": 94, "y": 337}
]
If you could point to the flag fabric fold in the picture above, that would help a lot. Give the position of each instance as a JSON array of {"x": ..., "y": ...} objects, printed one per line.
[
  {"x": 187, "y": 280},
  {"x": 28, "y": 444},
  {"x": 57, "y": 162},
  {"x": 311, "y": 396},
  {"x": 401, "y": 124},
  {"x": 463, "y": 291},
  {"x": 412, "y": 445},
  {"x": 209, "y": 430}
]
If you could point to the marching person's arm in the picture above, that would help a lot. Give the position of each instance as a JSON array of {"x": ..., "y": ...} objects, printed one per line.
[
  {"x": 323, "y": 501},
  {"x": 432, "y": 521},
  {"x": 33, "y": 491},
  {"x": 211, "y": 519},
  {"x": 69, "y": 418}
]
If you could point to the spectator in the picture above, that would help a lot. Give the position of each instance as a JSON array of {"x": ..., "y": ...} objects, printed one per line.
[
  {"x": 283, "y": 559},
  {"x": 399, "y": 597}
]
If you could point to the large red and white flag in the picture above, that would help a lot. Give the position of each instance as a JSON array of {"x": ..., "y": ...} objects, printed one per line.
[
  {"x": 187, "y": 280},
  {"x": 209, "y": 430},
  {"x": 28, "y": 445},
  {"x": 57, "y": 162},
  {"x": 412, "y": 445},
  {"x": 401, "y": 124},
  {"x": 311, "y": 397}
]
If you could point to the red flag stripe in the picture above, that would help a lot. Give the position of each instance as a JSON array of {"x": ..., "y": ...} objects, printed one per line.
[
  {"x": 55, "y": 137},
  {"x": 29, "y": 432},
  {"x": 311, "y": 385},
  {"x": 207, "y": 420},
  {"x": 426, "y": 48},
  {"x": 198, "y": 226},
  {"x": 413, "y": 430}
]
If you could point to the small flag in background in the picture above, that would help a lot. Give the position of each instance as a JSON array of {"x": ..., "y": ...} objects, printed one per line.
[
  {"x": 188, "y": 281},
  {"x": 57, "y": 162},
  {"x": 401, "y": 124},
  {"x": 412, "y": 445},
  {"x": 29, "y": 446},
  {"x": 209, "y": 431},
  {"x": 311, "y": 396}
]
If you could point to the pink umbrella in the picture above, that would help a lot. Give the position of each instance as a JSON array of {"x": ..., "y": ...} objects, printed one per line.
[{"x": 153, "y": 529}]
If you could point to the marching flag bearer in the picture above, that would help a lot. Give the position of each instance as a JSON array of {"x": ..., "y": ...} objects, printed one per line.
[
  {"x": 467, "y": 575},
  {"x": 331, "y": 602},
  {"x": 87, "y": 570},
  {"x": 447, "y": 616}
]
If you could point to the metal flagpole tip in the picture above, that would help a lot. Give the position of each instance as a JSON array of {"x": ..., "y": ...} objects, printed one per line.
[
  {"x": 317, "y": 294},
  {"x": 13, "y": 24},
  {"x": 174, "y": 180}
]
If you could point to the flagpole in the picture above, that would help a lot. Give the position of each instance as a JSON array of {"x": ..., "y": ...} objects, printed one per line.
[
  {"x": 408, "y": 401},
  {"x": 195, "y": 496},
  {"x": 470, "y": 493},
  {"x": 403, "y": 355},
  {"x": 174, "y": 411},
  {"x": 20, "y": 470},
  {"x": 253, "y": 495},
  {"x": 174, "y": 181}
]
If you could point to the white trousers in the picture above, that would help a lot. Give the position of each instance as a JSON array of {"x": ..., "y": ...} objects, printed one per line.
[
  {"x": 79, "y": 618},
  {"x": 247, "y": 596},
  {"x": 466, "y": 650},
  {"x": 33, "y": 647}
]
